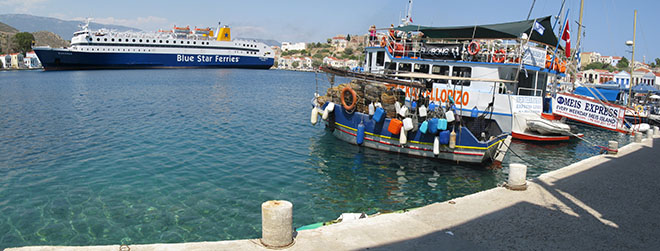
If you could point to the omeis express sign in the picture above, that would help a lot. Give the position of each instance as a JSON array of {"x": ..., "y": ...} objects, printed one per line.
[{"x": 589, "y": 111}]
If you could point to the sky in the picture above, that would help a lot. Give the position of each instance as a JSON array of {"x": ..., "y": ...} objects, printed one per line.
[{"x": 609, "y": 23}]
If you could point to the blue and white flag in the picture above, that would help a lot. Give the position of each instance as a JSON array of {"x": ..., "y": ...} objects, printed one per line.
[
  {"x": 578, "y": 59},
  {"x": 539, "y": 28}
]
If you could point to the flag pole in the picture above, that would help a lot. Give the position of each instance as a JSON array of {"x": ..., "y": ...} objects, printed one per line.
[{"x": 554, "y": 54}]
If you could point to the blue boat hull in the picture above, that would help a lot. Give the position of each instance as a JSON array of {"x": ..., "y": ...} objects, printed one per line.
[
  {"x": 57, "y": 59},
  {"x": 468, "y": 149}
]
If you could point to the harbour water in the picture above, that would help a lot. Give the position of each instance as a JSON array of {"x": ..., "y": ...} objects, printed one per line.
[{"x": 163, "y": 156}]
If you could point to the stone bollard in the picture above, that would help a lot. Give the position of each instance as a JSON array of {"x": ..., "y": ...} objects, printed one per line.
[
  {"x": 613, "y": 147},
  {"x": 649, "y": 134},
  {"x": 276, "y": 223},
  {"x": 656, "y": 130},
  {"x": 638, "y": 137},
  {"x": 517, "y": 177}
]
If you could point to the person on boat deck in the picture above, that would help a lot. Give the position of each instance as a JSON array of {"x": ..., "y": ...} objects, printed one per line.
[{"x": 372, "y": 35}]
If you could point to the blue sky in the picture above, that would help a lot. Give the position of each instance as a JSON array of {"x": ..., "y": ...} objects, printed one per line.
[{"x": 608, "y": 23}]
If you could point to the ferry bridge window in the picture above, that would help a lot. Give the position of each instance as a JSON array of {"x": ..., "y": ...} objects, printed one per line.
[
  {"x": 423, "y": 68},
  {"x": 465, "y": 72},
  {"x": 440, "y": 70},
  {"x": 380, "y": 58}
]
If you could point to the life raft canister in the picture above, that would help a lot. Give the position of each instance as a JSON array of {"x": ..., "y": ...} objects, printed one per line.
[
  {"x": 499, "y": 56},
  {"x": 343, "y": 100},
  {"x": 473, "y": 48}
]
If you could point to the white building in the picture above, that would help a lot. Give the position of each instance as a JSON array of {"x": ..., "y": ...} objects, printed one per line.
[
  {"x": 4, "y": 62},
  {"x": 605, "y": 59},
  {"x": 31, "y": 60},
  {"x": 623, "y": 79},
  {"x": 287, "y": 46},
  {"x": 301, "y": 64},
  {"x": 339, "y": 42},
  {"x": 341, "y": 63},
  {"x": 615, "y": 61}
]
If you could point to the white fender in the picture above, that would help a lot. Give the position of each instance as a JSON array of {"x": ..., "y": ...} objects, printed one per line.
[
  {"x": 436, "y": 145},
  {"x": 403, "y": 136},
  {"x": 372, "y": 109},
  {"x": 315, "y": 116},
  {"x": 422, "y": 111}
]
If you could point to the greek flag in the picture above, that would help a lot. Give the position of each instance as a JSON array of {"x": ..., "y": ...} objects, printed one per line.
[
  {"x": 578, "y": 59},
  {"x": 539, "y": 28}
]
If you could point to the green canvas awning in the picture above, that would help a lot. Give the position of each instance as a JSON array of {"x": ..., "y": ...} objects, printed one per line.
[{"x": 510, "y": 30}]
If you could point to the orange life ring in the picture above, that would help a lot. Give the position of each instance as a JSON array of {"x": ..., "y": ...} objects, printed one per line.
[
  {"x": 476, "y": 49},
  {"x": 343, "y": 101},
  {"x": 499, "y": 56}
]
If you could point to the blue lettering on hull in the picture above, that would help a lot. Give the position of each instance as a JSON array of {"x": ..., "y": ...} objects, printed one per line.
[{"x": 62, "y": 60}]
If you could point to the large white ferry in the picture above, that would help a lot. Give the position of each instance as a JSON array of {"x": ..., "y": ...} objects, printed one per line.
[{"x": 181, "y": 47}]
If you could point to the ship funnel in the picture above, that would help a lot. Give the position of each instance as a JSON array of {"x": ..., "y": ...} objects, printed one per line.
[{"x": 224, "y": 34}]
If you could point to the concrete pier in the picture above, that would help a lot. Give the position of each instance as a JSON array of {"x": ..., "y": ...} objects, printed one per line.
[{"x": 602, "y": 203}]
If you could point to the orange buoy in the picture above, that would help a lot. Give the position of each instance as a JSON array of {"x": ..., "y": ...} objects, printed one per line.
[
  {"x": 499, "y": 56},
  {"x": 353, "y": 95},
  {"x": 473, "y": 48}
]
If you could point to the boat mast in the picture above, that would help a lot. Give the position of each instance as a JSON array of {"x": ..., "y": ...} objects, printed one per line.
[
  {"x": 408, "y": 18},
  {"x": 632, "y": 61},
  {"x": 572, "y": 59}
]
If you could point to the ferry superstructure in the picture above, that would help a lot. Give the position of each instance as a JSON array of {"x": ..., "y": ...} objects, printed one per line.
[{"x": 181, "y": 47}]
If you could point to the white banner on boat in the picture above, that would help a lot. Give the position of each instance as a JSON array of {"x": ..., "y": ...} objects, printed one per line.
[
  {"x": 526, "y": 104},
  {"x": 588, "y": 110},
  {"x": 534, "y": 56}
]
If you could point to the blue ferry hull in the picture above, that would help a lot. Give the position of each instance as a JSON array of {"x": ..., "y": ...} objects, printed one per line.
[{"x": 57, "y": 59}]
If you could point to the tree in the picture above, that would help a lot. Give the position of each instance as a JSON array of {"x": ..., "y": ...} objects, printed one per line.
[
  {"x": 623, "y": 64},
  {"x": 348, "y": 37},
  {"x": 316, "y": 63},
  {"x": 329, "y": 40},
  {"x": 23, "y": 42},
  {"x": 295, "y": 64}
]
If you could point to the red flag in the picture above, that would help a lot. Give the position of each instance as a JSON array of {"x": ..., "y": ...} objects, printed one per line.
[{"x": 566, "y": 36}]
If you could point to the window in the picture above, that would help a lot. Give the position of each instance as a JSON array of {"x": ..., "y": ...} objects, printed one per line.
[
  {"x": 134, "y": 40},
  {"x": 465, "y": 72},
  {"x": 390, "y": 67},
  {"x": 440, "y": 70},
  {"x": 380, "y": 58},
  {"x": 113, "y": 40},
  {"x": 161, "y": 41},
  {"x": 120, "y": 40},
  {"x": 423, "y": 68},
  {"x": 404, "y": 67},
  {"x": 105, "y": 39},
  {"x": 98, "y": 39},
  {"x": 140, "y": 40}
]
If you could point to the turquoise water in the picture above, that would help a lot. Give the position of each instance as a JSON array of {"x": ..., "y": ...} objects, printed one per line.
[{"x": 153, "y": 156}]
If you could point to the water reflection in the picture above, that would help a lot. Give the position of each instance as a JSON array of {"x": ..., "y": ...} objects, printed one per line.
[{"x": 370, "y": 180}]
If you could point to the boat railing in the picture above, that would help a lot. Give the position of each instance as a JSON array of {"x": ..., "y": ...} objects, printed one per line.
[{"x": 474, "y": 50}]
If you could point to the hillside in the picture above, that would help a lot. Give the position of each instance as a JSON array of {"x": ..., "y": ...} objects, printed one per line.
[
  {"x": 62, "y": 28},
  {"x": 7, "y": 29},
  {"x": 47, "y": 38}
]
